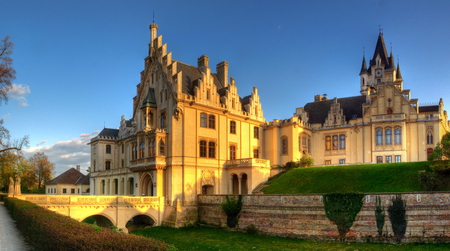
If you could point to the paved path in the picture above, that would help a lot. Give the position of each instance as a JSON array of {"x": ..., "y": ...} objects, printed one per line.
[{"x": 10, "y": 237}]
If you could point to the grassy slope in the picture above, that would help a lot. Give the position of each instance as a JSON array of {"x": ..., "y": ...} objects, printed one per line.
[
  {"x": 369, "y": 178},
  {"x": 217, "y": 239}
]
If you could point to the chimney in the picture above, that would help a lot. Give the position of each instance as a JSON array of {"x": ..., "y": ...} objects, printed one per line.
[
  {"x": 222, "y": 73},
  {"x": 78, "y": 168},
  {"x": 202, "y": 63},
  {"x": 317, "y": 98}
]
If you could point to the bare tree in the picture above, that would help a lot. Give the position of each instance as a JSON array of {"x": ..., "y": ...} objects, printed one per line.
[
  {"x": 7, "y": 72},
  {"x": 42, "y": 168}
]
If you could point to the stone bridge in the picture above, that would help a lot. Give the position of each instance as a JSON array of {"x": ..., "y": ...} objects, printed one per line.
[{"x": 106, "y": 210}]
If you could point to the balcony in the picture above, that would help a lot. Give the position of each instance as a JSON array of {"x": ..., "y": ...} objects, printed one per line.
[
  {"x": 388, "y": 117},
  {"x": 147, "y": 163},
  {"x": 249, "y": 162}
]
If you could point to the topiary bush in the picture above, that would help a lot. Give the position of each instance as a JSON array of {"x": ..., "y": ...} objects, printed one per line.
[
  {"x": 397, "y": 216},
  {"x": 341, "y": 209},
  {"x": 306, "y": 161},
  {"x": 232, "y": 208},
  {"x": 379, "y": 215}
]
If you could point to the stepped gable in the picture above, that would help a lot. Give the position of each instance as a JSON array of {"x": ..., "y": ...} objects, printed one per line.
[
  {"x": 191, "y": 75},
  {"x": 318, "y": 111},
  {"x": 71, "y": 176}
]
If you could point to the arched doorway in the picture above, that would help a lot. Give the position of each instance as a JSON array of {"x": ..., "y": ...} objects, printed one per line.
[
  {"x": 139, "y": 222},
  {"x": 234, "y": 184},
  {"x": 429, "y": 152},
  {"x": 147, "y": 188},
  {"x": 244, "y": 186},
  {"x": 207, "y": 189}
]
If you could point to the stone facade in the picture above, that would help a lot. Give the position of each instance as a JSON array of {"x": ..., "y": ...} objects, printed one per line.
[
  {"x": 303, "y": 216},
  {"x": 192, "y": 133}
]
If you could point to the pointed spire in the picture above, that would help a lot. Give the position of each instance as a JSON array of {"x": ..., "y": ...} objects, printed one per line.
[
  {"x": 391, "y": 61},
  {"x": 363, "y": 66},
  {"x": 380, "y": 49},
  {"x": 399, "y": 73}
]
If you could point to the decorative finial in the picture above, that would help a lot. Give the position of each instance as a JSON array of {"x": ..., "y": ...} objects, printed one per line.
[
  {"x": 153, "y": 16},
  {"x": 364, "y": 51}
]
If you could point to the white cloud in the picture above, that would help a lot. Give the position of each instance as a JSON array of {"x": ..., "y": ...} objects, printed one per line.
[
  {"x": 65, "y": 154},
  {"x": 18, "y": 92},
  {"x": 41, "y": 143}
]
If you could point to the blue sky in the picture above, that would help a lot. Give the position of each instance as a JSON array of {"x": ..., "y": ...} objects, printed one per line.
[{"x": 78, "y": 62}]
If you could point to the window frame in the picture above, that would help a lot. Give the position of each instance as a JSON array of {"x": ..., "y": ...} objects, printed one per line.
[{"x": 233, "y": 127}]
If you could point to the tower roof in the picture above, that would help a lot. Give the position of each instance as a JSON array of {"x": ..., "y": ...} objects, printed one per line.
[
  {"x": 363, "y": 66},
  {"x": 380, "y": 49},
  {"x": 399, "y": 74}
]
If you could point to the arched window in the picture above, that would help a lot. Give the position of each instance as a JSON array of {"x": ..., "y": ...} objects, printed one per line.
[
  {"x": 212, "y": 121},
  {"x": 328, "y": 143},
  {"x": 342, "y": 141},
  {"x": 203, "y": 119},
  {"x": 379, "y": 137},
  {"x": 388, "y": 137},
  {"x": 430, "y": 137},
  {"x": 211, "y": 149},
  {"x": 161, "y": 148},
  {"x": 203, "y": 148},
  {"x": 284, "y": 146},
  {"x": 397, "y": 136}
]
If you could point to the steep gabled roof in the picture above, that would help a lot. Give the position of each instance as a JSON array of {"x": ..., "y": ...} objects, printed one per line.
[
  {"x": 190, "y": 75},
  {"x": 429, "y": 108},
  {"x": 318, "y": 111},
  {"x": 109, "y": 132},
  {"x": 71, "y": 176}
]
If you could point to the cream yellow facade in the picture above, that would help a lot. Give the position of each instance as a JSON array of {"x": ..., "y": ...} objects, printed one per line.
[
  {"x": 382, "y": 125},
  {"x": 192, "y": 133}
]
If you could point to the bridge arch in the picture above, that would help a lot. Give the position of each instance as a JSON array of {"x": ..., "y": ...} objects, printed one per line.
[
  {"x": 99, "y": 220},
  {"x": 140, "y": 221}
]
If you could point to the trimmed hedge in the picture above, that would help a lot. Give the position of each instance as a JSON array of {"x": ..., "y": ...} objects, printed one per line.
[{"x": 46, "y": 230}]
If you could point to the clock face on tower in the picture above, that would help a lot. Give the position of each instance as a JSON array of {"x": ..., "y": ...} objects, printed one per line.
[{"x": 378, "y": 73}]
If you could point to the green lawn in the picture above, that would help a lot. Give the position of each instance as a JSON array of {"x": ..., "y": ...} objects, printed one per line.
[
  {"x": 218, "y": 239},
  {"x": 368, "y": 178}
]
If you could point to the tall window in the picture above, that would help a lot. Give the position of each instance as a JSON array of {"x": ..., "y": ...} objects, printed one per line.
[
  {"x": 397, "y": 136},
  {"x": 388, "y": 137},
  {"x": 161, "y": 148},
  {"x": 134, "y": 151},
  {"x": 430, "y": 135},
  {"x": 108, "y": 148},
  {"x": 107, "y": 165},
  {"x": 211, "y": 149},
  {"x": 328, "y": 143},
  {"x": 255, "y": 153},
  {"x": 232, "y": 152},
  {"x": 256, "y": 132},
  {"x": 379, "y": 137},
  {"x": 141, "y": 149},
  {"x": 163, "y": 119},
  {"x": 342, "y": 141},
  {"x": 335, "y": 142},
  {"x": 151, "y": 148},
  {"x": 379, "y": 159},
  {"x": 123, "y": 148},
  {"x": 398, "y": 158},
  {"x": 203, "y": 119},
  {"x": 203, "y": 148},
  {"x": 233, "y": 127},
  {"x": 284, "y": 146},
  {"x": 212, "y": 121}
]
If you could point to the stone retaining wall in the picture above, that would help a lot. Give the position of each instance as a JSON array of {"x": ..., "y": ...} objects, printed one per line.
[{"x": 303, "y": 216}]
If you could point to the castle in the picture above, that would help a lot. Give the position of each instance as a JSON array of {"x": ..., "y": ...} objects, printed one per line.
[{"x": 192, "y": 133}]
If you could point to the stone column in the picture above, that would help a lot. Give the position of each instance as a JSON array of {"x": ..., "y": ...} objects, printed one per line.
[
  {"x": 240, "y": 185},
  {"x": 160, "y": 181}
]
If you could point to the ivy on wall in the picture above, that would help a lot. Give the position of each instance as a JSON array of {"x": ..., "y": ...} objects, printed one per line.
[{"x": 232, "y": 208}]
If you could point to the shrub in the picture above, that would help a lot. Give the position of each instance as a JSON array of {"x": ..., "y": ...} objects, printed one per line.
[
  {"x": 47, "y": 230},
  {"x": 306, "y": 161},
  {"x": 252, "y": 229},
  {"x": 428, "y": 180},
  {"x": 397, "y": 216},
  {"x": 379, "y": 215},
  {"x": 342, "y": 208},
  {"x": 232, "y": 207}
]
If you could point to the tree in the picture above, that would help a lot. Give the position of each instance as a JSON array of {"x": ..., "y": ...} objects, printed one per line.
[
  {"x": 42, "y": 168},
  {"x": 7, "y": 74},
  {"x": 440, "y": 158},
  {"x": 397, "y": 216},
  {"x": 12, "y": 164}
]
